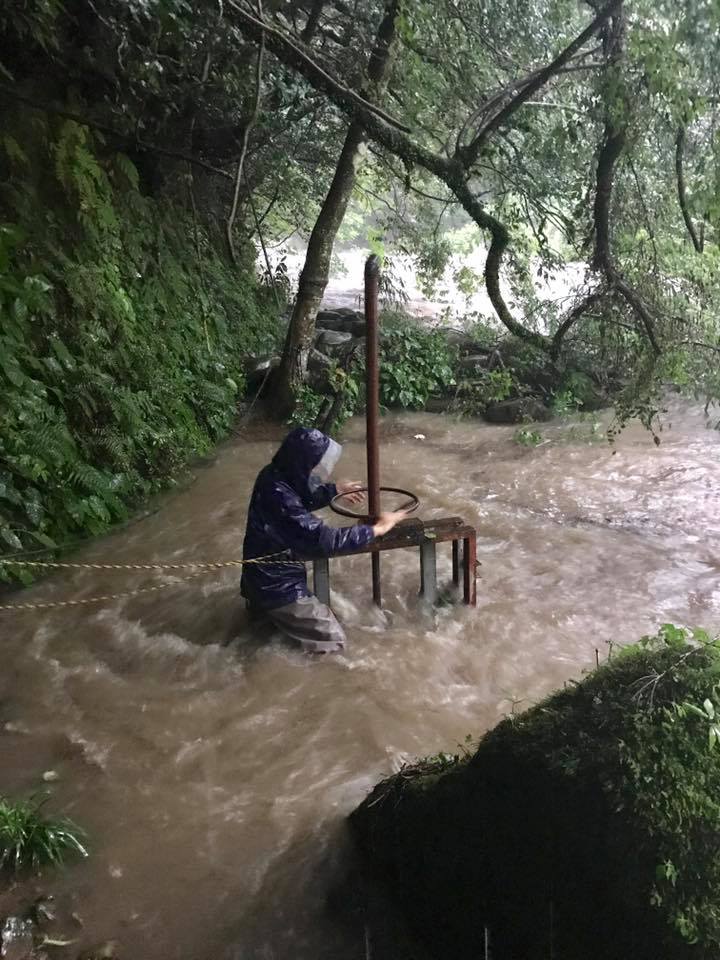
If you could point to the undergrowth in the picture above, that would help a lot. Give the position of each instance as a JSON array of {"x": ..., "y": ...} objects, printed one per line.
[
  {"x": 30, "y": 839},
  {"x": 122, "y": 335}
]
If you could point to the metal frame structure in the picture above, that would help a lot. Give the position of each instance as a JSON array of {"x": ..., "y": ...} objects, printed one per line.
[{"x": 409, "y": 533}]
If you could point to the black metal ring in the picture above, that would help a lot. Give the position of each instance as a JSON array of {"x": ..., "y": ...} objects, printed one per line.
[{"x": 410, "y": 506}]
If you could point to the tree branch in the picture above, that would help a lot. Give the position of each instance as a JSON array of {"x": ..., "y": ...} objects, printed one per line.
[
  {"x": 297, "y": 58},
  {"x": 682, "y": 192},
  {"x": 241, "y": 160},
  {"x": 536, "y": 81},
  {"x": 571, "y": 319}
]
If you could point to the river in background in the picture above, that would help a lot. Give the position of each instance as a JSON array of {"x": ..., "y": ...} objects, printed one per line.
[
  {"x": 214, "y": 781},
  {"x": 449, "y": 302}
]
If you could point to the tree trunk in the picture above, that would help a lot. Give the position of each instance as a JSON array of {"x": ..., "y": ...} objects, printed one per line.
[
  {"x": 617, "y": 120},
  {"x": 697, "y": 241},
  {"x": 315, "y": 272}
]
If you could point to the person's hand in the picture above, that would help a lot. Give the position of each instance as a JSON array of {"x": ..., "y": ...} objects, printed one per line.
[
  {"x": 350, "y": 489},
  {"x": 387, "y": 521}
]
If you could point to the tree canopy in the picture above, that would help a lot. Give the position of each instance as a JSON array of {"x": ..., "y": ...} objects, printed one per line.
[{"x": 567, "y": 133}]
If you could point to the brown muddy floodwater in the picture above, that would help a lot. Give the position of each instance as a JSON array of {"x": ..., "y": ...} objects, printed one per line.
[{"x": 214, "y": 782}]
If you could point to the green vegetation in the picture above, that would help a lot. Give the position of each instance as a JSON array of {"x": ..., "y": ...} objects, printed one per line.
[
  {"x": 123, "y": 336},
  {"x": 30, "y": 839},
  {"x": 150, "y": 151},
  {"x": 414, "y": 363},
  {"x": 590, "y": 822},
  {"x": 528, "y": 438}
]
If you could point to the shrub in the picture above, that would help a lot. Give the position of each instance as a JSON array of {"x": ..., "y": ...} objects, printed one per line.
[
  {"x": 414, "y": 363},
  {"x": 29, "y": 839}
]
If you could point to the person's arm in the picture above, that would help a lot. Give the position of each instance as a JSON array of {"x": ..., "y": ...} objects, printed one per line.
[
  {"x": 307, "y": 536},
  {"x": 322, "y": 495}
]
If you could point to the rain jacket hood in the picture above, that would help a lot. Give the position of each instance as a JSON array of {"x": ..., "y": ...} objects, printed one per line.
[
  {"x": 280, "y": 521},
  {"x": 299, "y": 454}
]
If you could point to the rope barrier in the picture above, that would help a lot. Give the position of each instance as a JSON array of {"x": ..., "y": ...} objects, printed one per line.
[
  {"x": 200, "y": 568},
  {"x": 204, "y": 565}
]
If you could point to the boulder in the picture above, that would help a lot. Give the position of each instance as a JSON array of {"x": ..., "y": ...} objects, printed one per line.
[
  {"x": 472, "y": 363},
  {"x": 520, "y": 410},
  {"x": 332, "y": 341},
  {"x": 257, "y": 369},
  {"x": 340, "y": 319},
  {"x": 330, "y": 320},
  {"x": 319, "y": 366},
  {"x": 464, "y": 342},
  {"x": 440, "y": 404},
  {"x": 586, "y": 828}
]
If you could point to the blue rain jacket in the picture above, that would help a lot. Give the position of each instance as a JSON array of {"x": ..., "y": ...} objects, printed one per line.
[{"x": 280, "y": 519}]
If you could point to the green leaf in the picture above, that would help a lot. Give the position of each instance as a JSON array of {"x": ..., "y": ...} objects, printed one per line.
[{"x": 10, "y": 537}]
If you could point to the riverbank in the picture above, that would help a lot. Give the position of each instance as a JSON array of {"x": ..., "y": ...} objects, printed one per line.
[{"x": 518, "y": 846}]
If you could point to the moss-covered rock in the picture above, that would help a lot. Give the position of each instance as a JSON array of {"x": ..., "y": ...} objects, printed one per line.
[{"x": 587, "y": 827}]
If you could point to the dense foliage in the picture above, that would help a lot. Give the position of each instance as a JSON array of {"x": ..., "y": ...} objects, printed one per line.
[
  {"x": 123, "y": 335},
  {"x": 149, "y": 146},
  {"x": 586, "y": 826}
]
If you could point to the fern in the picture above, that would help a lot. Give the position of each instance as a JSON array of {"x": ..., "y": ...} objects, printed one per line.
[{"x": 107, "y": 383}]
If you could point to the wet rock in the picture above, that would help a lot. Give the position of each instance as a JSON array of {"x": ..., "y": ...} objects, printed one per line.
[
  {"x": 332, "y": 341},
  {"x": 548, "y": 818},
  {"x": 257, "y": 369},
  {"x": 439, "y": 404},
  {"x": 319, "y": 361},
  {"x": 319, "y": 366},
  {"x": 16, "y": 939},
  {"x": 43, "y": 911},
  {"x": 340, "y": 321},
  {"x": 330, "y": 320},
  {"x": 521, "y": 410},
  {"x": 464, "y": 343},
  {"x": 472, "y": 362}
]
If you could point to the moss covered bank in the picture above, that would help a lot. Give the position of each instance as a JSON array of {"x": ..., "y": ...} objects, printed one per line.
[
  {"x": 587, "y": 827},
  {"x": 123, "y": 332}
]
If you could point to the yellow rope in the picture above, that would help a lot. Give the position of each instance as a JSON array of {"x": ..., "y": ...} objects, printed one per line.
[
  {"x": 44, "y": 605},
  {"x": 269, "y": 558},
  {"x": 199, "y": 567}
]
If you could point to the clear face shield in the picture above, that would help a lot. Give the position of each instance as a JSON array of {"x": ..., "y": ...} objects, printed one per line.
[{"x": 323, "y": 471}]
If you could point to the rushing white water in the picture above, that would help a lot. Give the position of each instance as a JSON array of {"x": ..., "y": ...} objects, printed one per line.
[
  {"x": 214, "y": 781},
  {"x": 450, "y": 302}
]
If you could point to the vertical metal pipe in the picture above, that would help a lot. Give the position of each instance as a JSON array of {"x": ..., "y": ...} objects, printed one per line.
[
  {"x": 372, "y": 396},
  {"x": 456, "y": 562},
  {"x": 377, "y": 590},
  {"x": 372, "y": 404},
  {"x": 469, "y": 572},
  {"x": 321, "y": 579}
]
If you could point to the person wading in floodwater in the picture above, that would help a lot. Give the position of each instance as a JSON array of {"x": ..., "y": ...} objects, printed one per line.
[{"x": 280, "y": 518}]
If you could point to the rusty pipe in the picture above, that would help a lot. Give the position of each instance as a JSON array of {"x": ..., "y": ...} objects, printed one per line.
[
  {"x": 372, "y": 396},
  {"x": 372, "y": 405}
]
